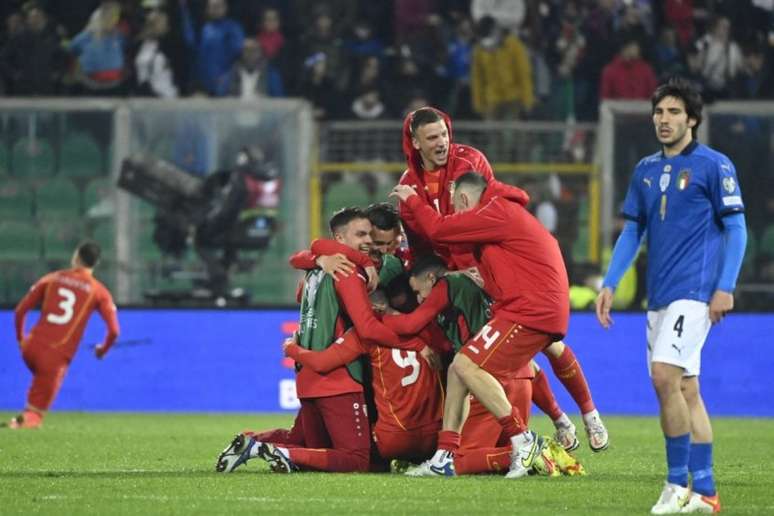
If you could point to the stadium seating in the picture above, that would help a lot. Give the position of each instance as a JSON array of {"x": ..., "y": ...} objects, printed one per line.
[
  {"x": 17, "y": 278},
  {"x": 59, "y": 240},
  {"x": 57, "y": 198},
  {"x": 105, "y": 235},
  {"x": 81, "y": 156},
  {"x": 32, "y": 158},
  {"x": 97, "y": 198},
  {"x": 341, "y": 194},
  {"x": 19, "y": 241},
  {"x": 16, "y": 200}
]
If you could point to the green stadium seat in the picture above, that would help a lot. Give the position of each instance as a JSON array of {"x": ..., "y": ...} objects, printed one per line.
[
  {"x": 19, "y": 277},
  {"x": 148, "y": 250},
  {"x": 5, "y": 165},
  {"x": 32, "y": 158},
  {"x": 81, "y": 156},
  {"x": 58, "y": 197},
  {"x": 59, "y": 240},
  {"x": 16, "y": 200},
  {"x": 19, "y": 241},
  {"x": 342, "y": 194}
]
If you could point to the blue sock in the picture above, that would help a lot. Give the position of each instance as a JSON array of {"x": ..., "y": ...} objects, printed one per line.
[
  {"x": 677, "y": 452},
  {"x": 700, "y": 465}
]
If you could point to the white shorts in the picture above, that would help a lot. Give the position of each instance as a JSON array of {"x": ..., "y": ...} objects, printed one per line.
[{"x": 677, "y": 333}]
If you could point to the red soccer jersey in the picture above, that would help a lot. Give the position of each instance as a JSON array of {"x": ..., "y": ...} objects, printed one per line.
[
  {"x": 519, "y": 260},
  {"x": 67, "y": 298},
  {"x": 407, "y": 392},
  {"x": 434, "y": 188}
]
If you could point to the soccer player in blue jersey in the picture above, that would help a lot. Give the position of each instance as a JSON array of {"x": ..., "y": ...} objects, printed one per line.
[{"x": 686, "y": 201}]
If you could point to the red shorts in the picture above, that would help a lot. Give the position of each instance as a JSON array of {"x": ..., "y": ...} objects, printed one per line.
[
  {"x": 414, "y": 445},
  {"x": 48, "y": 368},
  {"x": 482, "y": 430},
  {"x": 503, "y": 347}
]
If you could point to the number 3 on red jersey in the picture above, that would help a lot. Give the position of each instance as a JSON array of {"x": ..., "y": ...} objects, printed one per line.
[
  {"x": 486, "y": 335},
  {"x": 66, "y": 305}
]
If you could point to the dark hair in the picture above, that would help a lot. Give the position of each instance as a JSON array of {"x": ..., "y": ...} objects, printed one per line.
[
  {"x": 471, "y": 179},
  {"x": 384, "y": 216},
  {"x": 400, "y": 294},
  {"x": 684, "y": 90},
  {"x": 344, "y": 216},
  {"x": 88, "y": 253},
  {"x": 428, "y": 263},
  {"x": 378, "y": 296},
  {"x": 423, "y": 116}
]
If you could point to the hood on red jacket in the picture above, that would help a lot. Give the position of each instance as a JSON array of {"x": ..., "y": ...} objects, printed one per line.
[
  {"x": 413, "y": 158},
  {"x": 506, "y": 191}
]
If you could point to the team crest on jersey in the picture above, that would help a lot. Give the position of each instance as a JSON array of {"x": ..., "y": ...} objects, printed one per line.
[
  {"x": 663, "y": 182},
  {"x": 667, "y": 168},
  {"x": 729, "y": 185},
  {"x": 683, "y": 179}
]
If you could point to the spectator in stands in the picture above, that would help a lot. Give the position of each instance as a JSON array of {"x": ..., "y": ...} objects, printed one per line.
[
  {"x": 270, "y": 36},
  {"x": 152, "y": 71},
  {"x": 275, "y": 48},
  {"x": 322, "y": 38},
  {"x": 599, "y": 36},
  {"x": 216, "y": 45},
  {"x": 501, "y": 74},
  {"x": 34, "y": 56},
  {"x": 252, "y": 76},
  {"x": 457, "y": 71},
  {"x": 317, "y": 86},
  {"x": 756, "y": 78},
  {"x": 628, "y": 76},
  {"x": 565, "y": 54},
  {"x": 100, "y": 51},
  {"x": 679, "y": 14},
  {"x": 668, "y": 57},
  {"x": 368, "y": 105},
  {"x": 721, "y": 57},
  {"x": 632, "y": 26},
  {"x": 362, "y": 42}
]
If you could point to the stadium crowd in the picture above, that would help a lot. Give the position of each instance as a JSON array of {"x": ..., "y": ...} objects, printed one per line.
[{"x": 347, "y": 56}]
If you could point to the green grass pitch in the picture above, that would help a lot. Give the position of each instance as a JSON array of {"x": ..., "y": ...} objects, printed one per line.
[{"x": 105, "y": 463}]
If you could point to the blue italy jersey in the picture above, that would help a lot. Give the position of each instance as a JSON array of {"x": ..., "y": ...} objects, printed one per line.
[{"x": 680, "y": 201}]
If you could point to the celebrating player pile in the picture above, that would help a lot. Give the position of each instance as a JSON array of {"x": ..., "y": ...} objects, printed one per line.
[{"x": 493, "y": 292}]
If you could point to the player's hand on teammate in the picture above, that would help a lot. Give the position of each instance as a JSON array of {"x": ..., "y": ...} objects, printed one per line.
[
  {"x": 720, "y": 304},
  {"x": 403, "y": 192},
  {"x": 603, "y": 304},
  {"x": 336, "y": 264},
  {"x": 100, "y": 350},
  {"x": 432, "y": 357}
]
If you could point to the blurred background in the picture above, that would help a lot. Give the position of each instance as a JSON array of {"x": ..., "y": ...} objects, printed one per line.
[{"x": 158, "y": 126}]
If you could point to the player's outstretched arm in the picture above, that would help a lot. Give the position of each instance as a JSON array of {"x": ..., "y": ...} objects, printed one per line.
[
  {"x": 107, "y": 310},
  {"x": 353, "y": 295},
  {"x": 346, "y": 349},
  {"x": 413, "y": 323}
]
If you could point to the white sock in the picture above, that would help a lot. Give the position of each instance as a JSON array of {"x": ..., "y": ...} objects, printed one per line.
[
  {"x": 522, "y": 439},
  {"x": 441, "y": 456},
  {"x": 588, "y": 417},
  {"x": 563, "y": 421},
  {"x": 253, "y": 453},
  {"x": 284, "y": 451}
]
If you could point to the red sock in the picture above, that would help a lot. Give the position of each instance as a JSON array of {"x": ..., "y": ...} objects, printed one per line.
[
  {"x": 543, "y": 396},
  {"x": 569, "y": 372},
  {"x": 483, "y": 460},
  {"x": 338, "y": 461},
  {"x": 31, "y": 417},
  {"x": 448, "y": 440},
  {"x": 512, "y": 424}
]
